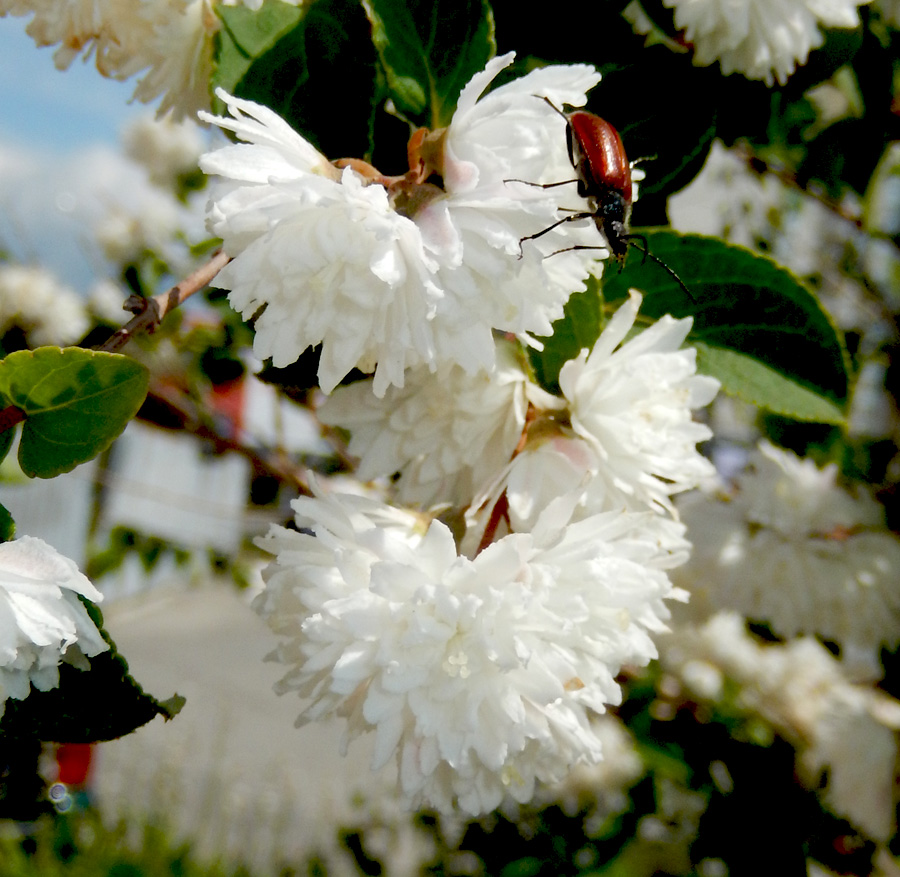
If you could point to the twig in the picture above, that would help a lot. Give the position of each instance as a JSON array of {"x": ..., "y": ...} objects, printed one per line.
[
  {"x": 180, "y": 408},
  {"x": 839, "y": 208},
  {"x": 149, "y": 312}
]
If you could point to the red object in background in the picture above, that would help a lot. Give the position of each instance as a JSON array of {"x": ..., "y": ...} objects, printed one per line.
[
  {"x": 73, "y": 761},
  {"x": 227, "y": 399}
]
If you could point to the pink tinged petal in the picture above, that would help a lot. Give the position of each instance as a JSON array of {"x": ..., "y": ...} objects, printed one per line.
[
  {"x": 462, "y": 176},
  {"x": 440, "y": 234}
]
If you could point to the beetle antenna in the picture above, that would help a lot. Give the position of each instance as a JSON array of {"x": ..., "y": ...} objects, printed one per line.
[
  {"x": 553, "y": 106},
  {"x": 644, "y": 249},
  {"x": 542, "y": 185}
]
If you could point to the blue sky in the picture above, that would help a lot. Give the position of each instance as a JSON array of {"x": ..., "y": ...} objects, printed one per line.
[
  {"x": 61, "y": 164},
  {"x": 43, "y": 108}
]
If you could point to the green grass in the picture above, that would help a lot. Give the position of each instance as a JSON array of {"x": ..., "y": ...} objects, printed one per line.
[{"x": 80, "y": 845}]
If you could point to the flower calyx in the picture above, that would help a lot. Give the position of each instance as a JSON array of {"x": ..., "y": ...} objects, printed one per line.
[{"x": 409, "y": 192}]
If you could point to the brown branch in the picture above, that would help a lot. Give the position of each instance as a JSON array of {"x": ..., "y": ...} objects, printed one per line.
[
  {"x": 500, "y": 512},
  {"x": 149, "y": 312},
  {"x": 171, "y": 408},
  {"x": 758, "y": 165}
]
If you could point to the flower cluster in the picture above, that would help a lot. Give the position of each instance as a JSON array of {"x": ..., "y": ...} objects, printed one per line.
[
  {"x": 42, "y": 619},
  {"x": 476, "y": 674},
  {"x": 388, "y": 289},
  {"x": 446, "y": 433},
  {"x": 621, "y": 434},
  {"x": 793, "y": 548},
  {"x": 762, "y": 39},
  {"x": 166, "y": 149},
  {"x": 168, "y": 42},
  {"x": 845, "y": 734},
  {"x": 631, "y": 442},
  {"x": 478, "y": 645},
  {"x": 37, "y": 304}
]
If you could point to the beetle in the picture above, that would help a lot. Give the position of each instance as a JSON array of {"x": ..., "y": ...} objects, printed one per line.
[
  {"x": 603, "y": 179},
  {"x": 603, "y": 175}
]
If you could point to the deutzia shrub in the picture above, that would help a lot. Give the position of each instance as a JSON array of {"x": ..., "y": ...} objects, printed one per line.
[
  {"x": 410, "y": 243},
  {"x": 765, "y": 39},
  {"x": 392, "y": 619},
  {"x": 841, "y": 730}
]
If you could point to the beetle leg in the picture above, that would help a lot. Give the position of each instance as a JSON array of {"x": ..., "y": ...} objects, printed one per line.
[{"x": 572, "y": 218}]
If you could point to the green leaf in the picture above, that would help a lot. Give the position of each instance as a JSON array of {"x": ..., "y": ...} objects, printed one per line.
[
  {"x": 429, "y": 50},
  {"x": 881, "y": 211},
  {"x": 75, "y": 402},
  {"x": 746, "y": 304},
  {"x": 6, "y": 442},
  {"x": 246, "y": 35},
  {"x": 7, "y": 525},
  {"x": 313, "y": 65},
  {"x": 253, "y": 33},
  {"x": 753, "y": 382},
  {"x": 101, "y": 703},
  {"x": 579, "y": 328}
]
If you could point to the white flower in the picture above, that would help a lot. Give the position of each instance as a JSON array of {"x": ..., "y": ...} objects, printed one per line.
[
  {"x": 762, "y": 39},
  {"x": 631, "y": 442},
  {"x": 78, "y": 26},
  {"x": 36, "y": 302},
  {"x": 169, "y": 41},
  {"x": 448, "y": 434},
  {"x": 165, "y": 148},
  {"x": 603, "y": 785},
  {"x": 106, "y": 302},
  {"x": 380, "y": 275},
  {"x": 476, "y": 674},
  {"x": 795, "y": 549},
  {"x": 178, "y": 58},
  {"x": 42, "y": 620},
  {"x": 150, "y": 223},
  {"x": 631, "y": 402}
]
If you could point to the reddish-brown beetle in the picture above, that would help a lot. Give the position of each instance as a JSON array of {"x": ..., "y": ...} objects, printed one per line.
[
  {"x": 603, "y": 179},
  {"x": 604, "y": 176}
]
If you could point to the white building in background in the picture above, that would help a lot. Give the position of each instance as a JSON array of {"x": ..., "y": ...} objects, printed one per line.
[
  {"x": 165, "y": 484},
  {"x": 57, "y": 510},
  {"x": 160, "y": 483}
]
